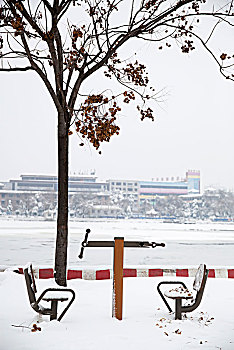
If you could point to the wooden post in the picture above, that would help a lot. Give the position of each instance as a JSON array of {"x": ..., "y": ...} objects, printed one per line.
[{"x": 117, "y": 305}]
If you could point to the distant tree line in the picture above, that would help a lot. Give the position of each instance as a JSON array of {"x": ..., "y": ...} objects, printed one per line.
[{"x": 212, "y": 204}]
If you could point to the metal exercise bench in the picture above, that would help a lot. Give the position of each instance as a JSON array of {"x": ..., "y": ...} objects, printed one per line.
[
  {"x": 182, "y": 293},
  {"x": 35, "y": 303}
]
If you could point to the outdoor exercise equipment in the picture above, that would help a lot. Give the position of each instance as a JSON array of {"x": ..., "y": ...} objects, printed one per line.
[
  {"x": 52, "y": 295},
  {"x": 118, "y": 244},
  {"x": 182, "y": 293}
]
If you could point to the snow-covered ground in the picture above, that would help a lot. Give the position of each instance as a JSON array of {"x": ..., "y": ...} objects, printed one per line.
[
  {"x": 146, "y": 323},
  {"x": 88, "y": 324},
  {"x": 186, "y": 244}
]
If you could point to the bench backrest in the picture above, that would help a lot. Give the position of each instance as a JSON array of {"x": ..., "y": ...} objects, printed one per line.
[
  {"x": 199, "y": 285},
  {"x": 200, "y": 277},
  {"x": 30, "y": 283}
]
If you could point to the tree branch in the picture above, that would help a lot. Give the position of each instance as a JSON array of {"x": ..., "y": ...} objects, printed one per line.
[
  {"x": 16, "y": 69},
  {"x": 47, "y": 4},
  {"x": 41, "y": 74}
]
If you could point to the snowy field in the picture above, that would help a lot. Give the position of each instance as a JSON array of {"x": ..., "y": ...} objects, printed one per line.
[
  {"x": 146, "y": 323},
  {"x": 88, "y": 324},
  {"x": 186, "y": 244}
]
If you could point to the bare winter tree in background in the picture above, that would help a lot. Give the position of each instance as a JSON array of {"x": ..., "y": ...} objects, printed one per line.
[{"x": 66, "y": 41}]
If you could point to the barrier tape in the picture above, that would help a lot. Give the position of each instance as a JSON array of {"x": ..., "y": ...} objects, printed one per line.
[{"x": 103, "y": 274}]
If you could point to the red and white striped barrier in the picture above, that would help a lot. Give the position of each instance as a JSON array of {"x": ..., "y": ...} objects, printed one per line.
[{"x": 94, "y": 274}]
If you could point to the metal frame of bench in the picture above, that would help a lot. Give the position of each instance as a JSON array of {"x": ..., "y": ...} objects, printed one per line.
[
  {"x": 179, "y": 309},
  {"x": 34, "y": 302}
]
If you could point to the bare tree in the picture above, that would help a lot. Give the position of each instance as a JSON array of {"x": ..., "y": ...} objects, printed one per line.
[{"x": 35, "y": 38}]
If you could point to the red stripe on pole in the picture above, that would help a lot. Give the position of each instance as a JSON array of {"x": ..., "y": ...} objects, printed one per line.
[
  {"x": 231, "y": 273},
  {"x": 211, "y": 273},
  {"x": 182, "y": 272},
  {"x": 155, "y": 272},
  {"x": 72, "y": 274},
  {"x": 103, "y": 275},
  {"x": 129, "y": 272},
  {"x": 46, "y": 273},
  {"x": 21, "y": 270}
]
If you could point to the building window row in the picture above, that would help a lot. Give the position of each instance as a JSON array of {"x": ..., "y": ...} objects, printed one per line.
[
  {"x": 124, "y": 184},
  {"x": 86, "y": 186},
  {"x": 173, "y": 187},
  {"x": 29, "y": 184}
]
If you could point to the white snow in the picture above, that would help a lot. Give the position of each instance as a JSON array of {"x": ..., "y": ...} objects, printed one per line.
[
  {"x": 88, "y": 324},
  {"x": 179, "y": 292},
  {"x": 146, "y": 323}
]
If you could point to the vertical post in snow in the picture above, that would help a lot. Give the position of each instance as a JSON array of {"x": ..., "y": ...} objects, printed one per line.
[{"x": 117, "y": 305}]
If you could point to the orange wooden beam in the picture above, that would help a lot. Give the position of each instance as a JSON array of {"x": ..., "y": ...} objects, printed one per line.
[{"x": 117, "y": 310}]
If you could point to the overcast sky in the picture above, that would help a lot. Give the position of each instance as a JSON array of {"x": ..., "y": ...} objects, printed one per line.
[{"x": 193, "y": 128}]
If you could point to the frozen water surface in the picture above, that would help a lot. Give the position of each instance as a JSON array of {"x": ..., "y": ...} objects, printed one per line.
[{"x": 186, "y": 244}]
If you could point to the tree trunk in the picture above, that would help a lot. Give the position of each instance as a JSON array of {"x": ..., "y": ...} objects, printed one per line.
[{"x": 62, "y": 214}]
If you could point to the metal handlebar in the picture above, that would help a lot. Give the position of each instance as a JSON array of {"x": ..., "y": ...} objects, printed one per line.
[
  {"x": 105, "y": 244},
  {"x": 149, "y": 244},
  {"x": 154, "y": 244},
  {"x": 84, "y": 244}
]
